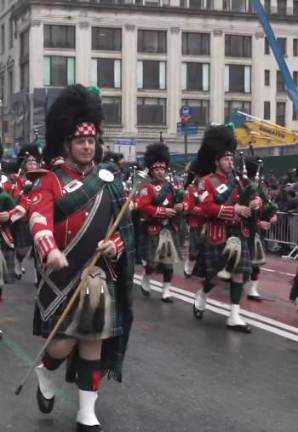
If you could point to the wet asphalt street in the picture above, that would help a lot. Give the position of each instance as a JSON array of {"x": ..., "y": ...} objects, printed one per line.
[{"x": 180, "y": 375}]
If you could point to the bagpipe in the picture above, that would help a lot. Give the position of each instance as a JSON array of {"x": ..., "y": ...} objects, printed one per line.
[
  {"x": 248, "y": 190},
  {"x": 7, "y": 202}
]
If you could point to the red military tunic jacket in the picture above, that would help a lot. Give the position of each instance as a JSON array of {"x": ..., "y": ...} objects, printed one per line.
[
  {"x": 192, "y": 206},
  {"x": 219, "y": 216},
  {"x": 155, "y": 215},
  {"x": 47, "y": 235}
]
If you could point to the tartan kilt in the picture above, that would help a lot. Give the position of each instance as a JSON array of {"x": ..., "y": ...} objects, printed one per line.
[
  {"x": 21, "y": 234},
  {"x": 9, "y": 255},
  {"x": 150, "y": 244},
  {"x": 213, "y": 259},
  {"x": 44, "y": 328},
  {"x": 196, "y": 241}
]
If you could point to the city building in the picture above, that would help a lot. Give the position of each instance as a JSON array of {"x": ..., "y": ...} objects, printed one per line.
[{"x": 149, "y": 57}]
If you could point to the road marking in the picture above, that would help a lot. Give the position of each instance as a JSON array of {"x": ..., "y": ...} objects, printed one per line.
[
  {"x": 262, "y": 322},
  {"x": 279, "y": 272}
]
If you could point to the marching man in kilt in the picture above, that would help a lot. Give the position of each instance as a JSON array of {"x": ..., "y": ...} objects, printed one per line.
[
  {"x": 72, "y": 208},
  {"x": 226, "y": 229},
  {"x": 29, "y": 164},
  {"x": 196, "y": 220},
  {"x": 160, "y": 237}
]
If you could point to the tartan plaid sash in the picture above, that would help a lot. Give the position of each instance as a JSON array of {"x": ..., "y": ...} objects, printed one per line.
[
  {"x": 57, "y": 285},
  {"x": 72, "y": 201},
  {"x": 166, "y": 188}
]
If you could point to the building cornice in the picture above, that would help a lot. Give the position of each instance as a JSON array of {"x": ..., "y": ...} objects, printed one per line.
[{"x": 23, "y": 5}]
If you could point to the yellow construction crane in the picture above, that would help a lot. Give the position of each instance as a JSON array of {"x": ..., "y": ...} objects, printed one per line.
[{"x": 251, "y": 130}]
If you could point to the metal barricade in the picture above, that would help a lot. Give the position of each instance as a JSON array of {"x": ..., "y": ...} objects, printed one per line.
[{"x": 285, "y": 232}]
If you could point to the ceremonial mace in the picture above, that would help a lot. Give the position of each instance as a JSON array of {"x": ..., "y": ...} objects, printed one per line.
[{"x": 141, "y": 179}]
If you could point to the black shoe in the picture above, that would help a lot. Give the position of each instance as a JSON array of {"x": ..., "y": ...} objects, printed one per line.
[
  {"x": 240, "y": 328},
  {"x": 84, "y": 428},
  {"x": 1, "y": 333},
  {"x": 186, "y": 275},
  {"x": 18, "y": 276},
  {"x": 145, "y": 292},
  {"x": 254, "y": 298},
  {"x": 167, "y": 300},
  {"x": 197, "y": 313},
  {"x": 45, "y": 405}
]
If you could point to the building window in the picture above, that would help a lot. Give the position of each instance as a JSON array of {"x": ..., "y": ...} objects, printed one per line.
[
  {"x": 150, "y": 41},
  {"x": 195, "y": 76},
  {"x": 282, "y": 7},
  {"x": 112, "y": 109},
  {"x": 2, "y": 38},
  {"x": 282, "y": 43},
  {"x": 237, "y": 79},
  {"x": 295, "y": 47},
  {"x": 295, "y": 7},
  {"x": 280, "y": 85},
  {"x": 267, "y": 77},
  {"x": 195, "y": 44},
  {"x": 106, "y": 73},
  {"x": 11, "y": 33},
  {"x": 10, "y": 76},
  {"x": 151, "y": 75},
  {"x": 232, "y": 106},
  {"x": 106, "y": 39},
  {"x": 24, "y": 60},
  {"x": 281, "y": 113},
  {"x": 267, "y": 6},
  {"x": 24, "y": 72},
  {"x": 237, "y": 46},
  {"x": 59, "y": 71},
  {"x": 59, "y": 36},
  {"x": 295, "y": 77},
  {"x": 237, "y": 5},
  {"x": 201, "y": 4},
  {"x": 24, "y": 44},
  {"x": 295, "y": 116},
  {"x": 2, "y": 88},
  {"x": 267, "y": 113},
  {"x": 152, "y": 111},
  {"x": 200, "y": 110}
]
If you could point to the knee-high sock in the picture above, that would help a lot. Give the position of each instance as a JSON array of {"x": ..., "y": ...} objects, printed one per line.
[
  {"x": 44, "y": 373},
  {"x": 207, "y": 286},
  {"x": 236, "y": 292},
  {"x": 89, "y": 378}
]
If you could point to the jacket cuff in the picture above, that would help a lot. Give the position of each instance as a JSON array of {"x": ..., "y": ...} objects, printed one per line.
[
  {"x": 197, "y": 211},
  {"x": 17, "y": 213},
  {"x": 118, "y": 244},
  {"x": 160, "y": 212},
  {"x": 44, "y": 243},
  {"x": 226, "y": 212}
]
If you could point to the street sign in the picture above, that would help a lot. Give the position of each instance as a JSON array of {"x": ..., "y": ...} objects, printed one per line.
[
  {"x": 127, "y": 147},
  {"x": 187, "y": 128},
  {"x": 185, "y": 113}
]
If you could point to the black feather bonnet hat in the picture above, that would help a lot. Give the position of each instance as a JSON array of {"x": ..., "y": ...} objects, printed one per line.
[
  {"x": 156, "y": 154},
  {"x": 75, "y": 112},
  {"x": 29, "y": 150},
  {"x": 218, "y": 141}
]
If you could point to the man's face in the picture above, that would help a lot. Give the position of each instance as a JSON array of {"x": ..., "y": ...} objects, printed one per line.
[
  {"x": 31, "y": 164},
  {"x": 225, "y": 164},
  {"x": 82, "y": 150},
  {"x": 158, "y": 173}
]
